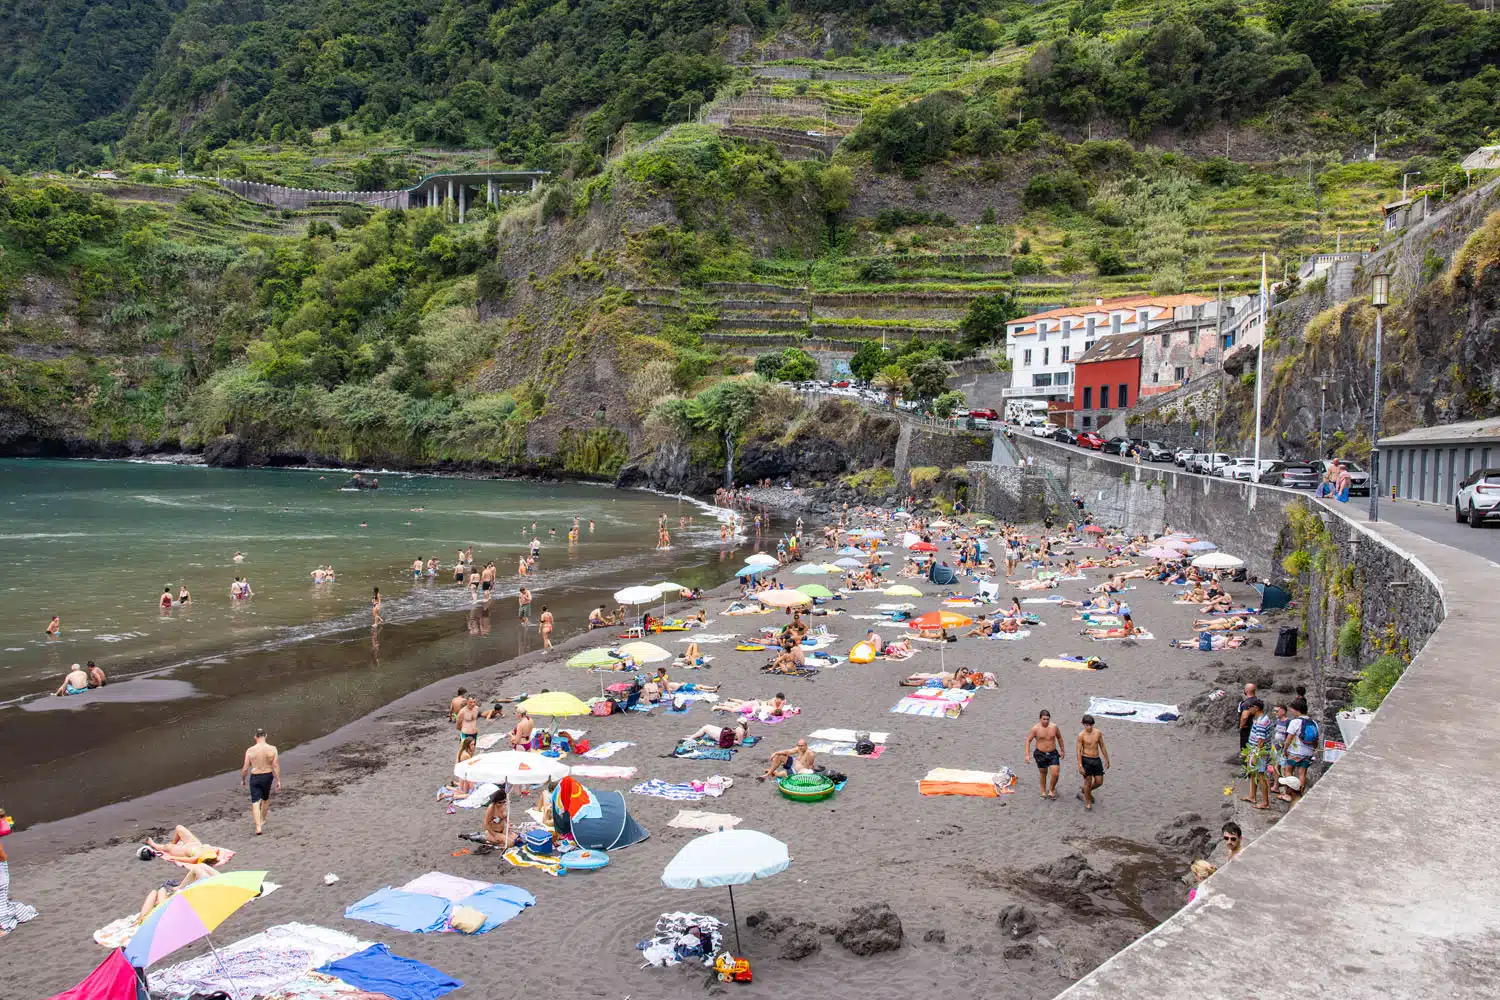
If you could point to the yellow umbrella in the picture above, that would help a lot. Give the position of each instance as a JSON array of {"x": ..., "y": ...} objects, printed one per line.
[
  {"x": 192, "y": 913},
  {"x": 554, "y": 703},
  {"x": 902, "y": 590},
  {"x": 644, "y": 652},
  {"x": 783, "y": 598}
]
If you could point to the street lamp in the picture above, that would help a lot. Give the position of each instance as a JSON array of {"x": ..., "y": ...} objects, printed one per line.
[{"x": 1380, "y": 297}]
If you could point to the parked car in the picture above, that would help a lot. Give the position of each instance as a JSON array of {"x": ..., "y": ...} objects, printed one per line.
[
  {"x": 842, "y": 383},
  {"x": 1155, "y": 451},
  {"x": 984, "y": 413},
  {"x": 1066, "y": 435},
  {"x": 1293, "y": 475},
  {"x": 1208, "y": 463},
  {"x": 1359, "y": 479},
  {"x": 1478, "y": 497},
  {"x": 1042, "y": 431},
  {"x": 1238, "y": 468},
  {"x": 1181, "y": 456},
  {"x": 1088, "y": 439},
  {"x": 1117, "y": 446}
]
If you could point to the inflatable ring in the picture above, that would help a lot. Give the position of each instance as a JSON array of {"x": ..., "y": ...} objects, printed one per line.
[
  {"x": 806, "y": 787},
  {"x": 584, "y": 860}
]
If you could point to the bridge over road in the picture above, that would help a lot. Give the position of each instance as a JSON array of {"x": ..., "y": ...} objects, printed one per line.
[{"x": 456, "y": 190}]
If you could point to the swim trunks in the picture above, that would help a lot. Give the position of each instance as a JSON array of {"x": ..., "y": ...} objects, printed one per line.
[
  {"x": 260, "y": 787},
  {"x": 73, "y": 690},
  {"x": 467, "y": 738},
  {"x": 525, "y": 611},
  {"x": 1046, "y": 758},
  {"x": 485, "y": 586},
  {"x": 1092, "y": 766}
]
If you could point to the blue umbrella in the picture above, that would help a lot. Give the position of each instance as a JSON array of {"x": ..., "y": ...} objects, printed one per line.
[
  {"x": 750, "y": 570},
  {"x": 849, "y": 563},
  {"x": 1202, "y": 547},
  {"x": 849, "y": 550}
]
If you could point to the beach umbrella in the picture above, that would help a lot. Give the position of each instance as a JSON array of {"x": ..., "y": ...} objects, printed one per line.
[
  {"x": 754, "y": 570},
  {"x": 783, "y": 598},
  {"x": 595, "y": 659},
  {"x": 1093, "y": 529},
  {"x": 666, "y": 588},
  {"x": 1200, "y": 547},
  {"x": 910, "y": 538},
  {"x": 923, "y": 547},
  {"x": 761, "y": 559},
  {"x": 815, "y": 590},
  {"x": 811, "y": 569},
  {"x": 984, "y": 522},
  {"x": 192, "y": 913},
  {"x": 1161, "y": 552},
  {"x": 848, "y": 563},
  {"x": 637, "y": 595},
  {"x": 113, "y": 979},
  {"x": 555, "y": 703},
  {"x": 1218, "y": 560},
  {"x": 644, "y": 652},
  {"x": 903, "y": 515},
  {"x": 849, "y": 550},
  {"x": 942, "y": 619},
  {"x": 508, "y": 768},
  {"x": 728, "y": 858},
  {"x": 902, "y": 590},
  {"x": 942, "y": 523}
]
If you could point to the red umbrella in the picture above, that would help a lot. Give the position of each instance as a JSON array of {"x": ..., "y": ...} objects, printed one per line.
[
  {"x": 114, "y": 979},
  {"x": 1093, "y": 529},
  {"x": 924, "y": 547}
]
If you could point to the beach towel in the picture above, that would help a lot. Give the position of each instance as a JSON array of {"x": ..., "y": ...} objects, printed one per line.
[
  {"x": 260, "y": 964},
  {"x": 1054, "y": 599},
  {"x": 1024, "y": 633},
  {"x": 928, "y": 708},
  {"x": 602, "y": 771},
  {"x": 479, "y": 798},
  {"x": 1132, "y": 711},
  {"x": 708, "y": 637},
  {"x": 692, "y": 819},
  {"x": 316, "y": 986},
  {"x": 488, "y": 740},
  {"x": 1118, "y": 638},
  {"x": 117, "y": 933},
  {"x": 449, "y": 887},
  {"x": 845, "y": 736},
  {"x": 1073, "y": 663},
  {"x": 521, "y": 857},
  {"x": 376, "y": 969},
  {"x": 222, "y": 856},
  {"x": 951, "y": 781},
  {"x": 675, "y": 792},
  {"x": 702, "y": 753},
  {"x": 498, "y": 903},
  {"x": 605, "y": 750},
  {"x": 415, "y": 912},
  {"x": 841, "y": 749}
]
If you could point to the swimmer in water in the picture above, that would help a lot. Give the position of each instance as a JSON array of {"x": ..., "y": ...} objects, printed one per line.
[
  {"x": 364, "y": 524},
  {"x": 591, "y": 526},
  {"x": 416, "y": 567},
  {"x": 54, "y": 627},
  {"x": 375, "y": 607},
  {"x": 239, "y": 557},
  {"x": 183, "y": 597},
  {"x": 166, "y": 599}
]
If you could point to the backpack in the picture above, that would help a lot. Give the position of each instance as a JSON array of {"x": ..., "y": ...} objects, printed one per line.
[
  {"x": 1309, "y": 732},
  {"x": 726, "y": 737},
  {"x": 1205, "y": 642}
]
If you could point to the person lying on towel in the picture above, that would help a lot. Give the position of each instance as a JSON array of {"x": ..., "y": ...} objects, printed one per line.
[
  {"x": 185, "y": 846},
  {"x": 159, "y": 895},
  {"x": 1124, "y": 630},
  {"x": 798, "y": 760},
  {"x": 717, "y": 735},
  {"x": 1233, "y": 623}
]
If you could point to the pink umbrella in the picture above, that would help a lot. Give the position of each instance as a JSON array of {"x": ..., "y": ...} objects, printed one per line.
[{"x": 1161, "y": 552}]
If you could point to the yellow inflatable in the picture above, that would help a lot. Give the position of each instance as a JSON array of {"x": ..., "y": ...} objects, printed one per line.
[{"x": 862, "y": 652}]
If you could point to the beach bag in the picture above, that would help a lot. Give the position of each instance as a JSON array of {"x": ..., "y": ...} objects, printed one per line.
[
  {"x": 466, "y": 920},
  {"x": 1286, "y": 641},
  {"x": 1205, "y": 642},
  {"x": 726, "y": 738},
  {"x": 864, "y": 747},
  {"x": 604, "y": 707}
]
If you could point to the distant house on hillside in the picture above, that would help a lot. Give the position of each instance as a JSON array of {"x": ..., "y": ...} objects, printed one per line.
[
  {"x": 105, "y": 175},
  {"x": 1108, "y": 379}
]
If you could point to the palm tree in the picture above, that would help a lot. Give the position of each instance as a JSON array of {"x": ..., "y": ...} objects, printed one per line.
[{"x": 892, "y": 380}]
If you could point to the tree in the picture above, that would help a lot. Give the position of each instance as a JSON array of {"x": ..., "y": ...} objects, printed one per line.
[
  {"x": 868, "y": 360},
  {"x": 892, "y": 381},
  {"x": 796, "y": 365},
  {"x": 946, "y": 403},
  {"x": 768, "y": 365},
  {"x": 929, "y": 379},
  {"x": 985, "y": 321}
]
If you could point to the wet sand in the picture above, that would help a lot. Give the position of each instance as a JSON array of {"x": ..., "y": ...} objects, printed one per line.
[{"x": 360, "y": 804}]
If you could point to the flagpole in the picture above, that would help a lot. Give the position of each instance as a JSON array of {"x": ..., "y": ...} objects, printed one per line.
[{"x": 1260, "y": 358}]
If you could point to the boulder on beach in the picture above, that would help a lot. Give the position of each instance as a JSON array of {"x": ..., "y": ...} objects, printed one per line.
[
  {"x": 1016, "y": 921},
  {"x": 1187, "y": 831},
  {"x": 870, "y": 930}
]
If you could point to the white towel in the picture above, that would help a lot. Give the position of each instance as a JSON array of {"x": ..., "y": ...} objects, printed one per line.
[
  {"x": 844, "y": 736},
  {"x": 710, "y": 822}
]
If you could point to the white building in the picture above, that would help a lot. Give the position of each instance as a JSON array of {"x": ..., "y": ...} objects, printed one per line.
[{"x": 1041, "y": 348}]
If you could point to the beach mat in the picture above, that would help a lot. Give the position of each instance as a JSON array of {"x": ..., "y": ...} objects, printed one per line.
[
  {"x": 709, "y": 822},
  {"x": 842, "y": 749},
  {"x": 260, "y": 964},
  {"x": 1132, "y": 711},
  {"x": 602, "y": 771},
  {"x": 953, "y": 781},
  {"x": 845, "y": 736},
  {"x": 377, "y": 970},
  {"x": 1069, "y": 663}
]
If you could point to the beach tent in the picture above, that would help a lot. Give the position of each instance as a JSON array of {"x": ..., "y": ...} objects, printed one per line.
[
  {"x": 114, "y": 979},
  {"x": 941, "y": 574},
  {"x": 1272, "y": 596},
  {"x": 612, "y": 829}
]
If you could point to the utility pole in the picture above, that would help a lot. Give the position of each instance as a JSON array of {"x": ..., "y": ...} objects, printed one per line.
[
  {"x": 1380, "y": 293},
  {"x": 1323, "y": 381},
  {"x": 1213, "y": 447},
  {"x": 1260, "y": 355}
]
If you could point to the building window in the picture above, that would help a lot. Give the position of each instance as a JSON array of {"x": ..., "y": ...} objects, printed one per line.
[
  {"x": 1065, "y": 351},
  {"x": 1067, "y": 327},
  {"x": 1179, "y": 373},
  {"x": 1060, "y": 378},
  {"x": 1114, "y": 322},
  {"x": 1193, "y": 336},
  {"x": 1026, "y": 357},
  {"x": 1087, "y": 421},
  {"x": 1041, "y": 380},
  {"x": 1088, "y": 401},
  {"x": 1155, "y": 379},
  {"x": 1124, "y": 396},
  {"x": 1088, "y": 328},
  {"x": 1104, "y": 397},
  {"x": 1087, "y": 344},
  {"x": 1046, "y": 355}
]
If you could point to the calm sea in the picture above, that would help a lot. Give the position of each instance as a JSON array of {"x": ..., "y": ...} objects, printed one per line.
[{"x": 95, "y": 543}]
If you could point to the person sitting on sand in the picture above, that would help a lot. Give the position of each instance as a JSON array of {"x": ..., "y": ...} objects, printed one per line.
[
  {"x": 715, "y": 734},
  {"x": 96, "y": 676},
  {"x": 1196, "y": 596},
  {"x": 900, "y": 649},
  {"x": 185, "y": 846},
  {"x": 496, "y": 817},
  {"x": 1216, "y": 603},
  {"x": 982, "y": 628},
  {"x": 520, "y": 736},
  {"x": 1008, "y": 625},
  {"x": 798, "y": 760},
  {"x": 597, "y": 619},
  {"x": 159, "y": 895},
  {"x": 76, "y": 682}
]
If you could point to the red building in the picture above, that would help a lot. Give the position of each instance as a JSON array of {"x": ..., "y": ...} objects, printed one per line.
[{"x": 1106, "y": 380}]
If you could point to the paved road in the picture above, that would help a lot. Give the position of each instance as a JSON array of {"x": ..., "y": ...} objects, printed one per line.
[{"x": 1432, "y": 521}]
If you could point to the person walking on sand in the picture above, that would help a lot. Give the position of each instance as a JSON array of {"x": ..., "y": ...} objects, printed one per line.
[
  {"x": 1093, "y": 760},
  {"x": 1260, "y": 755},
  {"x": 457, "y": 703},
  {"x": 468, "y": 725},
  {"x": 262, "y": 767},
  {"x": 11, "y": 912},
  {"x": 546, "y": 621},
  {"x": 524, "y": 599},
  {"x": 375, "y": 607},
  {"x": 1048, "y": 754}
]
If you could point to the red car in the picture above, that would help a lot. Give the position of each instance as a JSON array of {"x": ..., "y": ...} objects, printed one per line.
[
  {"x": 984, "y": 414},
  {"x": 841, "y": 384},
  {"x": 1088, "y": 439}
]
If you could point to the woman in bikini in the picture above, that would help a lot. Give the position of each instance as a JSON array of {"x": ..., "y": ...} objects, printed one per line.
[{"x": 185, "y": 846}]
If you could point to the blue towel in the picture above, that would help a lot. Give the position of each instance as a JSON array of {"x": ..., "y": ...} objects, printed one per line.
[
  {"x": 406, "y": 911},
  {"x": 498, "y": 903},
  {"x": 376, "y": 970}
]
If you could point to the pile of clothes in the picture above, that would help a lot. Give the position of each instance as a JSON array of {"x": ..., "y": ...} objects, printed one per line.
[{"x": 683, "y": 937}]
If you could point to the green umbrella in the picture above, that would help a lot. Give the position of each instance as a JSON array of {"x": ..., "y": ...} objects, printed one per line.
[
  {"x": 815, "y": 590},
  {"x": 594, "y": 659}
]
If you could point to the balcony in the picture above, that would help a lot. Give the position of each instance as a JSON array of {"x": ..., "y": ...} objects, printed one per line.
[{"x": 1038, "y": 392}]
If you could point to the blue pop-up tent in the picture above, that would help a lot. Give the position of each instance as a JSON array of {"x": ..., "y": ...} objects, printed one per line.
[{"x": 613, "y": 828}]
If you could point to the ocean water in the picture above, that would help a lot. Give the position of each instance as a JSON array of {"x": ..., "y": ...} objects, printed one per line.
[{"x": 95, "y": 543}]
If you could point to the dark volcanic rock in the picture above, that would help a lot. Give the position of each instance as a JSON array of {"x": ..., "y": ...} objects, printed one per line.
[
  {"x": 870, "y": 930},
  {"x": 1015, "y": 952},
  {"x": 803, "y": 941},
  {"x": 1188, "y": 832},
  {"x": 226, "y": 451},
  {"x": 936, "y": 935},
  {"x": 1073, "y": 871},
  {"x": 1017, "y": 921}
]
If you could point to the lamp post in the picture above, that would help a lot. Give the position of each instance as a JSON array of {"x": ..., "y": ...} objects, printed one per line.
[{"x": 1380, "y": 297}]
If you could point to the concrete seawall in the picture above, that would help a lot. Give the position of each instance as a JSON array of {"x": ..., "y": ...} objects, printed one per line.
[{"x": 1382, "y": 881}]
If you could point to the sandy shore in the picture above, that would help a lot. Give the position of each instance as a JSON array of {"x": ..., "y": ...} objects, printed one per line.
[{"x": 359, "y": 803}]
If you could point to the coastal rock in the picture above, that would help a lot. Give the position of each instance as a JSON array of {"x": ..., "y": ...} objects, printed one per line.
[
  {"x": 227, "y": 451},
  {"x": 871, "y": 930},
  {"x": 935, "y": 935},
  {"x": 1017, "y": 921},
  {"x": 799, "y": 944},
  {"x": 1187, "y": 832},
  {"x": 1073, "y": 871},
  {"x": 1018, "y": 952}
]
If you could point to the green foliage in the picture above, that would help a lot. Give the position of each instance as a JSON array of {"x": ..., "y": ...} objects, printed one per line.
[
  {"x": 945, "y": 404},
  {"x": 1350, "y": 637},
  {"x": 789, "y": 365},
  {"x": 1376, "y": 681},
  {"x": 1297, "y": 563},
  {"x": 868, "y": 360},
  {"x": 877, "y": 482},
  {"x": 53, "y": 219},
  {"x": 928, "y": 378},
  {"x": 985, "y": 321}
]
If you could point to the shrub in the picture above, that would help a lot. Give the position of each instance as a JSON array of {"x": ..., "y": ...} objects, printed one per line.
[
  {"x": 1376, "y": 681},
  {"x": 878, "y": 269},
  {"x": 1350, "y": 635},
  {"x": 945, "y": 404},
  {"x": 1058, "y": 188},
  {"x": 1028, "y": 263}
]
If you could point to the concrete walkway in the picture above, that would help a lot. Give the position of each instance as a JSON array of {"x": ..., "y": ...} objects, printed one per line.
[{"x": 1383, "y": 883}]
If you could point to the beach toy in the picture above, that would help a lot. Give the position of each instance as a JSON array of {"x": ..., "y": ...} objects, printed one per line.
[
  {"x": 749, "y": 647},
  {"x": 584, "y": 860},
  {"x": 538, "y": 841},
  {"x": 862, "y": 652},
  {"x": 806, "y": 787}
]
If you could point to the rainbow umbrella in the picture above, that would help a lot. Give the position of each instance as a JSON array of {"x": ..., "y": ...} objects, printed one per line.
[{"x": 190, "y": 914}]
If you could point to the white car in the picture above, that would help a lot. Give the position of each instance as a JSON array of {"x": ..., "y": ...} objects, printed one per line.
[
  {"x": 1243, "y": 468},
  {"x": 1478, "y": 497},
  {"x": 1042, "y": 430}
]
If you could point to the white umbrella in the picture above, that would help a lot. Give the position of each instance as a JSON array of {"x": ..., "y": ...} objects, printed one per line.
[
  {"x": 644, "y": 652},
  {"x": 637, "y": 595},
  {"x": 1218, "y": 560},
  {"x": 848, "y": 563},
  {"x": 761, "y": 559},
  {"x": 508, "y": 768},
  {"x": 909, "y": 539},
  {"x": 783, "y": 598},
  {"x": 665, "y": 588},
  {"x": 728, "y": 858}
]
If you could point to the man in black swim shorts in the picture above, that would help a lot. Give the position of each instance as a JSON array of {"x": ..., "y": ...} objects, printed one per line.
[
  {"x": 261, "y": 769},
  {"x": 1093, "y": 760},
  {"x": 1048, "y": 754}
]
